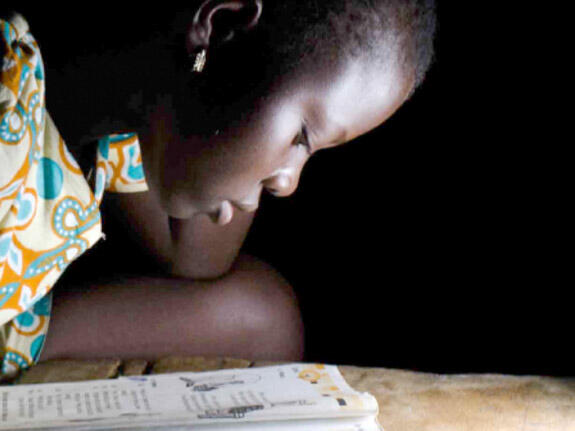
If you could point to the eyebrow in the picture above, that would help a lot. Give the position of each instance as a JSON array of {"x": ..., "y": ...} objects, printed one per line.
[
  {"x": 318, "y": 118},
  {"x": 340, "y": 138}
]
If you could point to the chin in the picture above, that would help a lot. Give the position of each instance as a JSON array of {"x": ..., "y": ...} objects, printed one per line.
[
  {"x": 177, "y": 208},
  {"x": 179, "y": 211},
  {"x": 180, "y": 215}
]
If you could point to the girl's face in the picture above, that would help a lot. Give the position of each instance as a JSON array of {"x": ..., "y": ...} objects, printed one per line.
[{"x": 269, "y": 148}]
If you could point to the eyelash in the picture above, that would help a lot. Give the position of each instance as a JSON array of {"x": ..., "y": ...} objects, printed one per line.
[{"x": 302, "y": 139}]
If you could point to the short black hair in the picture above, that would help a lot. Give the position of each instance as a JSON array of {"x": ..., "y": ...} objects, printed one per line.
[
  {"x": 354, "y": 28},
  {"x": 292, "y": 34}
]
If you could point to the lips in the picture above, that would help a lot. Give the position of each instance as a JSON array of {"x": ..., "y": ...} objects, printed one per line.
[
  {"x": 225, "y": 212},
  {"x": 246, "y": 206}
]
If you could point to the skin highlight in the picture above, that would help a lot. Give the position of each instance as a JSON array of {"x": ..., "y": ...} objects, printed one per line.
[
  {"x": 190, "y": 177},
  {"x": 229, "y": 171}
]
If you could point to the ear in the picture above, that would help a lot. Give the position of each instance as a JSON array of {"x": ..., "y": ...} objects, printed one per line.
[{"x": 204, "y": 31}]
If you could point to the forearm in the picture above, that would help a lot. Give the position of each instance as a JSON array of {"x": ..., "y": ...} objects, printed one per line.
[{"x": 252, "y": 312}]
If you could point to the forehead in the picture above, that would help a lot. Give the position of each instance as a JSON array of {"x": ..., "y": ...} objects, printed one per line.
[{"x": 346, "y": 100}]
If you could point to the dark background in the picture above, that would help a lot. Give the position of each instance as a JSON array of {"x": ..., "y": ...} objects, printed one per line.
[
  {"x": 430, "y": 243},
  {"x": 434, "y": 243}
]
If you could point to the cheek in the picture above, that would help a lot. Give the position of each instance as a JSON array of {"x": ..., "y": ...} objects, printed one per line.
[
  {"x": 219, "y": 172},
  {"x": 232, "y": 164},
  {"x": 176, "y": 172},
  {"x": 239, "y": 159}
]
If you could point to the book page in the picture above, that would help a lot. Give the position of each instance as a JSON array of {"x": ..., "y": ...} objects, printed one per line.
[
  {"x": 339, "y": 424},
  {"x": 270, "y": 394}
]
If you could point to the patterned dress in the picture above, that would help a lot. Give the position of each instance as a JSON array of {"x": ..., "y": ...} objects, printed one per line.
[{"x": 49, "y": 214}]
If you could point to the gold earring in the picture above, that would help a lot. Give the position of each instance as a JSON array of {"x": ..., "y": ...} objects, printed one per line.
[{"x": 199, "y": 61}]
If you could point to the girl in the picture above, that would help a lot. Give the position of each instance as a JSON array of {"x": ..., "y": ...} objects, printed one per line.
[{"x": 217, "y": 105}]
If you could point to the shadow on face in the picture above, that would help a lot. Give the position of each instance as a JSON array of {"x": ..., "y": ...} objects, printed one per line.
[{"x": 265, "y": 139}]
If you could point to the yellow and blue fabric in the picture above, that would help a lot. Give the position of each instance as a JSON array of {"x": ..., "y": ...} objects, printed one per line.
[{"x": 49, "y": 215}]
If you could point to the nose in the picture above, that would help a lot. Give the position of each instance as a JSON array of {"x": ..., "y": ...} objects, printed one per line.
[{"x": 282, "y": 183}]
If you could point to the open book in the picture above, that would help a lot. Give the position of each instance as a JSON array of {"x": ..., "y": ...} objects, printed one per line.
[{"x": 290, "y": 397}]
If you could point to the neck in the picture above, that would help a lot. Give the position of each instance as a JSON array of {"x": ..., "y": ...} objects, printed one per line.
[{"x": 106, "y": 93}]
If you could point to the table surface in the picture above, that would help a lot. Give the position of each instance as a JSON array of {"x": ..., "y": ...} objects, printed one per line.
[{"x": 407, "y": 400}]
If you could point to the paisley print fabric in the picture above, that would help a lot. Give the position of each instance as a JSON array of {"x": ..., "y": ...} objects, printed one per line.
[{"x": 49, "y": 215}]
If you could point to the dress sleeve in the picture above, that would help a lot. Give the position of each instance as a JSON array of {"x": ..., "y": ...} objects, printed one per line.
[
  {"x": 119, "y": 166},
  {"x": 48, "y": 213}
]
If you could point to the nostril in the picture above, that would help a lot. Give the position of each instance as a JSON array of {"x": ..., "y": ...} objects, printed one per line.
[
  {"x": 272, "y": 190},
  {"x": 279, "y": 184}
]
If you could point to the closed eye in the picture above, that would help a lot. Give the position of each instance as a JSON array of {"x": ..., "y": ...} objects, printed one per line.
[{"x": 302, "y": 138}]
